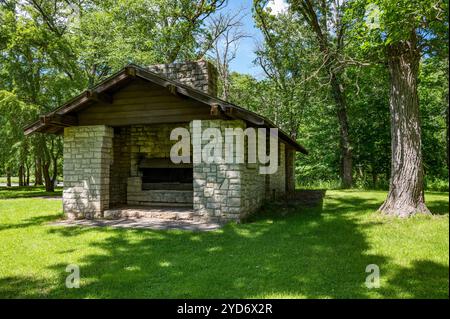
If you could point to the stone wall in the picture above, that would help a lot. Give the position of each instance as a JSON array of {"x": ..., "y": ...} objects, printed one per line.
[
  {"x": 224, "y": 192},
  {"x": 290, "y": 170},
  {"x": 101, "y": 171},
  {"x": 200, "y": 75},
  {"x": 276, "y": 183},
  {"x": 137, "y": 196},
  {"x": 217, "y": 187},
  {"x": 120, "y": 167},
  {"x": 87, "y": 160},
  {"x": 253, "y": 185}
]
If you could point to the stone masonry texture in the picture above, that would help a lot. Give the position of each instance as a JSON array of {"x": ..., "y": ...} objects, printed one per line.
[
  {"x": 87, "y": 160},
  {"x": 120, "y": 167},
  {"x": 101, "y": 170},
  {"x": 201, "y": 75},
  {"x": 224, "y": 192}
]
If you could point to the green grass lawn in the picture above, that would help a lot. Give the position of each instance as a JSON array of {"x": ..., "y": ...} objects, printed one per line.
[{"x": 309, "y": 253}]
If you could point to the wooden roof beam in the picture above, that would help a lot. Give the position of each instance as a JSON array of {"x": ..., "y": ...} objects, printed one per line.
[
  {"x": 59, "y": 120},
  {"x": 99, "y": 97},
  {"x": 215, "y": 110}
]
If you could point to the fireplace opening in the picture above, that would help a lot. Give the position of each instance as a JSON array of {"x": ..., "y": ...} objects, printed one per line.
[
  {"x": 167, "y": 178},
  {"x": 162, "y": 174}
]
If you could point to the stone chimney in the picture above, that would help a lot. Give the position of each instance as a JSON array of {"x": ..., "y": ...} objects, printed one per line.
[{"x": 201, "y": 75}]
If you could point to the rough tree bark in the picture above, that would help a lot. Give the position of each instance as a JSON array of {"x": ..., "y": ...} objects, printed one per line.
[
  {"x": 446, "y": 132},
  {"x": 49, "y": 186},
  {"x": 406, "y": 189},
  {"x": 346, "y": 151},
  {"x": 38, "y": 172},
  {"x": 55, "y": 169},
  {"x": 21, "y": 175},
  {"x": 27, "y": 174},
  {"x": 8, "y": 176},
  {"x": 446, "y": 118}
]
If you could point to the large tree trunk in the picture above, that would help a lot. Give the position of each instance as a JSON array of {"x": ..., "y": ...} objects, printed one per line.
[
  {"x": 55, "y": 169},
  {"x": 345, "y": 148},
  {"x": 38, "y": 172},
  {"x": 8, "y": 176},
  {"x": 27, "y": 178},
  {"x": 446, "y": 132},
  {"x": 20, "y": 175},
  {"x": 406, "y": 189},
  {"x": 446, "y": 115},
  {"x": 49, "y": 186}
]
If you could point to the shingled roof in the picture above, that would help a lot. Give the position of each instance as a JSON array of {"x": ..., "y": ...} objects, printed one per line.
[{"x": 56, "y": 120}]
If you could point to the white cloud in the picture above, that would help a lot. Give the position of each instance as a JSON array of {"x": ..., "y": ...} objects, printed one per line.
[{"x": 278, "y": 6}]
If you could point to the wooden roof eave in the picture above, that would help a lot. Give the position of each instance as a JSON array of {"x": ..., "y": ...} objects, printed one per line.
[
  {"x": 36, "y": 126},
  {"x": 132, "y": 71},
  {"x": 80, "y": 100}
]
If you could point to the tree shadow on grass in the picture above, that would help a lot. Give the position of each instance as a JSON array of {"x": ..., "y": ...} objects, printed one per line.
[
  {"x": 24, "y": 287},
  {"x": 438, "y": 207},
  {"x": 424, "y": 279},
  {"x": 352, "y": 204}
]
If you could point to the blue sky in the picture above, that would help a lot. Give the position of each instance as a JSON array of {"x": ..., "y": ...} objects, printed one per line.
[{"x": 245, "y": 54}]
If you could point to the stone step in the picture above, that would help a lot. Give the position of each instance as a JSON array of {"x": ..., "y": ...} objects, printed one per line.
[
  {"x": 159, "y": 204},
  {"x": 168, "y": 213}
]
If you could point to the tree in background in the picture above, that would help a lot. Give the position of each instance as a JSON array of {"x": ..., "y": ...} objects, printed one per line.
[
  {"x": 50, "y": 50},
  {"x": 227, "y": 35},
  {"x": 14, "y": 147},
  {"x": 31, "y": 67},
  {"x": 287, "y": 57},
  {"x": 325, "y": 19}
]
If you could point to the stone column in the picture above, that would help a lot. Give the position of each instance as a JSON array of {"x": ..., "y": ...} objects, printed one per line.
[
  {"x": 87, "y": 159},
  {"x": 217, "y": 186}
]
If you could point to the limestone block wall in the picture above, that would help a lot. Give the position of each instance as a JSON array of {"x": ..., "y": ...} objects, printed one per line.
[
  {"x": 101, "y": 169},
  {"x": 87, "y": 159},
  {"x": 120, "y": 167},
  {"x": 276, "y": 183},
  {"x": 151, "y": 141},
  {"x": 290, "y": 170},
  {"x": 253, "y": 185},
  {"x": 137, "y": 196},
  {"x": 253, "y": 190},
  {"x": 223, "y": 191}
]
